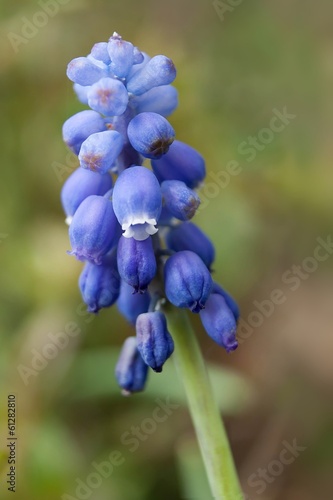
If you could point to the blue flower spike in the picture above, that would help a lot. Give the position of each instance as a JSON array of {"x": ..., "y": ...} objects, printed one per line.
[
  {"x": 99, "y": 151},
  {"x": 155, "y": 343},
  {"x": 93, "y": 229},
  {"x": 137, "y": 202},
  {"x": 100, "y": 285},
  {"x": 150, "y": 134},
  {"x": 79, "y": 185},
  {"x": 136, "y": 262},
  {"x": 219, "y": 322},
  {"x": 181, "y": 201},
  {"x": 115, "y": 206},
  {"x": 188, "y": 282},
  {"x": 131, "y": 370}
]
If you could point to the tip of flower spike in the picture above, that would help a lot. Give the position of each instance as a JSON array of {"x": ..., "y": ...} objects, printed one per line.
[{"x": 116, "y": 35}]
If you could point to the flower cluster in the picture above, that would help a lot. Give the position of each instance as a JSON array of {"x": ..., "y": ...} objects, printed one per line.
[{"x": 130, "y": 223}]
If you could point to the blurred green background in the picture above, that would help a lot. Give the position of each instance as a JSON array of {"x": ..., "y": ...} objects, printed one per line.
[{"x": 277, "y": 387}]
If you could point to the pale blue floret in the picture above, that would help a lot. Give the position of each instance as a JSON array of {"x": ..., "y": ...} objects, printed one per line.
[
  {"x": 108, "y": 96},
  {"x": 159, "y": 70},
  {"x": 137, "y": 202},
  {"x": 187, "y": 280},
  {"x": 99, "y": 152},
  {"x": 181, "y": 201},
  {"x": 85, "y": 72},
  {"x": 162, "y": 100},
  {"x": 131, "y": 371},
  {"x": 79, "y": 127},
  {"x": 154, "y": 341},
  {"x": 100, "y": 52},
  {"x": 150, "y": 134},
  {"x": 121, "y": 54}
]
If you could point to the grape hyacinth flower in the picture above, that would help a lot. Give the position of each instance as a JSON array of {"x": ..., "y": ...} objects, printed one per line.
[
  {"x": 129, "y": 95},
  {"x": 128, "y": 223}
]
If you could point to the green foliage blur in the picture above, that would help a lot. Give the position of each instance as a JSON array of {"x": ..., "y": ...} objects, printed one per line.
[{"x": 235, "y": 72}]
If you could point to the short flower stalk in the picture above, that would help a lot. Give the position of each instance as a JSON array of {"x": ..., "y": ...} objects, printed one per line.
[{"x": 130, "y": 225}]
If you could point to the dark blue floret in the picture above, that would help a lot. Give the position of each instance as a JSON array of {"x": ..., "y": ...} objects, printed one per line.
[
  {"x": 100, "y": 285},
  {"x": 131, "y": 370},
  {"x": 136, "y": 262},
  {"x": 188, "y": 282},
  {"x": 188, "y": 236},
  {"x": 219, "y": 322},
  {"x": 155, "y": 343}
]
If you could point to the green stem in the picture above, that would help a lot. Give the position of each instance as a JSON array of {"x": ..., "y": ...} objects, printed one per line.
[{"x": 212, "y": 437}]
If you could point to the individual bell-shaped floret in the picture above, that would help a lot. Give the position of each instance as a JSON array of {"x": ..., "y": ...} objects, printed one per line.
[
  {"x": 182, "y": 163},
  {"x": 188, "y": 236},
  {"x": 131, "y": 304},
  {"x": 81, "y": 184},
  {"x": 84, "y": 72},
  {"x": 162, "y": 100},
  {"x": 181, "y": 201},
  {"x": 155, "y": 343},
  {"x": 93, "y": 229},
  {"x": 150, "y": 134},
  {"x": 188, "y": 282},
  {"x": 100, "y": 151},
  {"x": 137, "y": 202},
  {"x": 131, "y": 370},
  {"x": 100, "y": 52},
  {"x": 136, "y": 262},
  {"x": 138, "y": 56},
  {"x": 79, "y": 127},
  {"x": 230, "y": 301},
  {"x": 219, "y": 322},
  {"x": 121, "y": 54},
  {"x": 108, "y": 96},
  {"x": 160, "y": 70},
  {"x": 100, "y": 285}
]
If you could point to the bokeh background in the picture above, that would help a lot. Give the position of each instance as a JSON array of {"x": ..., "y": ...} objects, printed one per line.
[{"x": 234, "y": 69}]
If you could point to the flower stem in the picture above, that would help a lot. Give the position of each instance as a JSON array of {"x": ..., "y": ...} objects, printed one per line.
[{"x": 213, "y": 441}]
